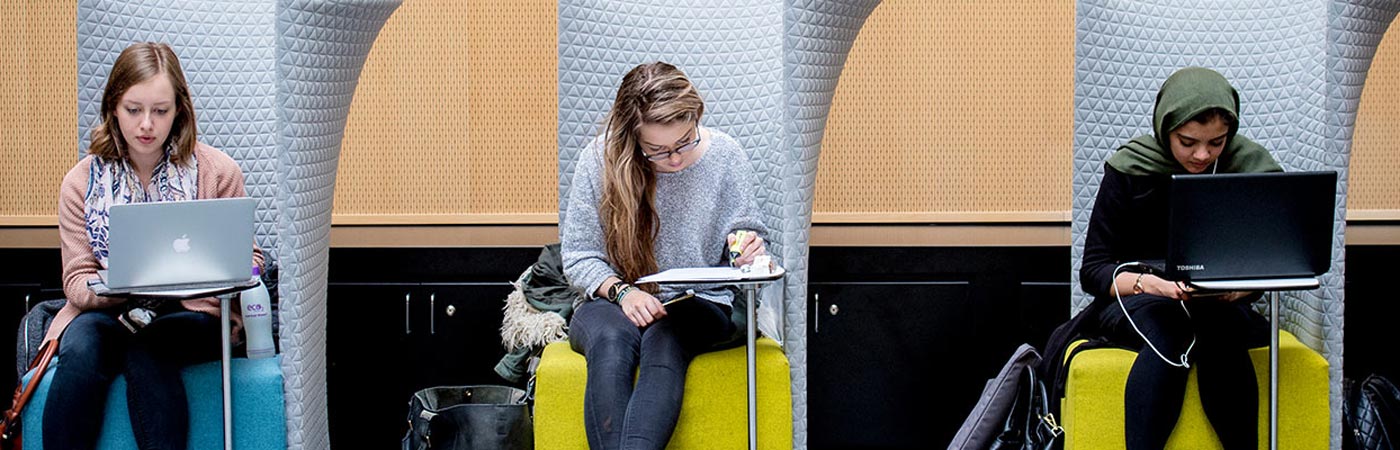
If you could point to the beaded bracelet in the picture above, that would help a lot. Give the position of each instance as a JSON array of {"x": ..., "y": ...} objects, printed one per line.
[{"x": 621, "y": 293}]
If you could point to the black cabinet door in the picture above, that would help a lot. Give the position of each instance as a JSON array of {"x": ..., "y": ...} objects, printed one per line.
[
  {"x": 387, "y": 341},
  {"x": 372, "y": 334},
  {"x": 464, "y": 333},
  {"x": 886, "y": 363}
]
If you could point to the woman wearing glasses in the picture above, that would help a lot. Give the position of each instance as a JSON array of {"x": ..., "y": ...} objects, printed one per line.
[{"x": 657, "y": 190}]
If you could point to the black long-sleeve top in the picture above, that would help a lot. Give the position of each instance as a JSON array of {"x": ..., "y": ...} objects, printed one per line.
[{"x": 1128, "y": 223}]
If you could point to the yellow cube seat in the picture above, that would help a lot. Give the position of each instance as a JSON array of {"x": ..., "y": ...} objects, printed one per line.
[
  {"x": 1092, "y": 410},
  {"x": 712, "y": 411}
]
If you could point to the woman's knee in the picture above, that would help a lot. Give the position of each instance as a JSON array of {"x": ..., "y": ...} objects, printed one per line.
[
  {"x": 606, "y": 344},
  {"x": 91, "y": 335},
  {"x": 1165, "y": 324}
]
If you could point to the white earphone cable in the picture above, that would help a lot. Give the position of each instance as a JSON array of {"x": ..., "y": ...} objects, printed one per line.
[{"x": 1184, "y": 356}]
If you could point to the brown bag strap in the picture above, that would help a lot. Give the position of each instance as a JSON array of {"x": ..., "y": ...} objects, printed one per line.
[{"x": 23, "y": 392}]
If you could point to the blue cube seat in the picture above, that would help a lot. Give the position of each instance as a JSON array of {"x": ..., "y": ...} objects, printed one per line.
[{"x": 258, "y": 418}]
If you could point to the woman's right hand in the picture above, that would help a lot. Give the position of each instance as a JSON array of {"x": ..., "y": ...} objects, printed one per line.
[
  {"x": 1152, "y": 284},
  {"x": 641, "y": 307}
]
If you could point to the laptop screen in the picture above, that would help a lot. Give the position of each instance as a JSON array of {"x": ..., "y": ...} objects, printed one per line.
[
  {"x": 196, "y": 242},
  {"x": 1250, "y": 225}
]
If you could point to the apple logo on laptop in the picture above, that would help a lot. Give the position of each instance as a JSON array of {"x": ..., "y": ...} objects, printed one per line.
[{"x": 181, "y": 245}]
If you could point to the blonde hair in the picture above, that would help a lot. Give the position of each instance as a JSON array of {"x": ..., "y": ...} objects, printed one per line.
[
  {"x": 653, "y": 93},
  {"x": 140, "y": 62}
]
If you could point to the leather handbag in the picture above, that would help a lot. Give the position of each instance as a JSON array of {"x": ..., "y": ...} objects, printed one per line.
[
  {"x": 469, "y": 418},
  {"x": 1372, "y": 414},
  {"x": 1030, "y": 425},
  {"x": 9, "y": 423}
]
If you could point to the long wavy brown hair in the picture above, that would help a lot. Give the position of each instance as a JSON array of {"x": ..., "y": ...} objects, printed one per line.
[
  {"x": 653, "y": 93},
  {"x": 140, "y": 62}
]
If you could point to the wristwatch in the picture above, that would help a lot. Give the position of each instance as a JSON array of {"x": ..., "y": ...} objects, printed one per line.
[
  {"x": 614, "y": 290},
  {"x": 1137, "y": 285}
]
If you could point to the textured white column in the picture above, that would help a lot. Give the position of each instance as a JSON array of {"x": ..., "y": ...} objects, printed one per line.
[
  {"x": 819, "y": 37},
  {"x": 321, "y": 47}
]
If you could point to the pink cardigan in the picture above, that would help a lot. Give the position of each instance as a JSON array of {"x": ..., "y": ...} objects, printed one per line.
[{"x": 219, "y": 177}]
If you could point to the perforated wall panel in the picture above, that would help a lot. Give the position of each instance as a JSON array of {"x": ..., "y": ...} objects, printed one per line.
[
  {"x": 1375, "y": 154},
  {"x": 455, "y": 114},
  {"x": 953, "y": 107},
  {"x": 36, "y": 79}
]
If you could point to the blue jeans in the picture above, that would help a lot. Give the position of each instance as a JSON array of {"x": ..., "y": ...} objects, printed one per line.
[
  {"x": 615, "y": 413},
  {"x": 96, "y": 347}
]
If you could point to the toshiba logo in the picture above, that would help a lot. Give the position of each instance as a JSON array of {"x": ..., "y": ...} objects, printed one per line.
[{"x": 1190, "y": 267}]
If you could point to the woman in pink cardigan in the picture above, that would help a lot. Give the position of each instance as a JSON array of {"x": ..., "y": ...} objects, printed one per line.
[{"x": 144, "y": 149}]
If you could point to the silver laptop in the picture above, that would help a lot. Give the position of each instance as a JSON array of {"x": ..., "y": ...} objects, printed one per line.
[{"x": 164, "y": 246}]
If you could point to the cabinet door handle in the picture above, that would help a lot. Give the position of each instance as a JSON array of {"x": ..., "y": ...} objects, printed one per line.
[
  {"x": 817, "y": 318},
  {"x": 406, "y": 298},
  {"x": 432, "y": 318}
]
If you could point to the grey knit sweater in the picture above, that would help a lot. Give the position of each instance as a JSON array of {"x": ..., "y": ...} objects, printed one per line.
[{"x": 699, "y": 206}]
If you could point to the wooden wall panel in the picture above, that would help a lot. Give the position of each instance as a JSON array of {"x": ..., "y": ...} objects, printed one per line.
[
  {"x": 454, "y": 119},
  {"x": 1375, "y": 149},
  {"x": 946, "y": 112},
  {"x": 953, "y": 111},
  {"x": 38, "y": 80}
]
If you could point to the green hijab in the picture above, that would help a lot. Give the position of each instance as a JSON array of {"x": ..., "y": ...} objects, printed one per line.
[{"x": 1185, "y": 94}]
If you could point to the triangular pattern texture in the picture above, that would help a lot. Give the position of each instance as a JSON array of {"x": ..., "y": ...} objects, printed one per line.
[
  {"x": 226, "y": 50},
  {"x": 819, "y": 36},
  {"x": 1299, "y": 66},
  {"x": 272, "y": 83},
  {"x": 321, "y": 47}
]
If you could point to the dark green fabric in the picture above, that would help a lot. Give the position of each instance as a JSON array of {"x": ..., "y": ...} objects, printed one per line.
[
  {"x": 1185, "y": 94},
  {"x": 546, "y": 288}
]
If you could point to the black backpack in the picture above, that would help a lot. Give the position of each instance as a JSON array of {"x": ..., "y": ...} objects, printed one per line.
[
  {"x": 1372, "y": 414},
  {"x": 1013, "y": 412}
]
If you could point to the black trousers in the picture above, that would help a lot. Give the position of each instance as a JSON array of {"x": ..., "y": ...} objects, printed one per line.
[
  {"x": 1224, "y": 332},
  {"x": 618, "y": 412},
  {"x": 96, "y": 348}
]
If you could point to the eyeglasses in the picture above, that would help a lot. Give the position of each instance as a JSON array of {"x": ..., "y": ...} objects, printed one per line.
[{"x": 678, "y": 150}]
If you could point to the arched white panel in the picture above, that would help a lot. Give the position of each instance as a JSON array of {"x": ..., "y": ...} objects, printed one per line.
[
  {"x": 1299, "y": 66},
  {"x": 272, "y": 83}
]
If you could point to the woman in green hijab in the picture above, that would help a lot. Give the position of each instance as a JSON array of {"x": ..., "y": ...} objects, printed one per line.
[{"x": 1194, "y": 126}]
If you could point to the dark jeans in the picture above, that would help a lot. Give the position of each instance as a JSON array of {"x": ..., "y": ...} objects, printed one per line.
[
  {"x": 96, "y": 348},
  {"x": 1155, "y": 389},
  {"x": 617, "y": 415}
]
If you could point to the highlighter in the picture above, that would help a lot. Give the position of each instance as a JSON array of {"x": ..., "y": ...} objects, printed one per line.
[{"x": 736, "y": 248}]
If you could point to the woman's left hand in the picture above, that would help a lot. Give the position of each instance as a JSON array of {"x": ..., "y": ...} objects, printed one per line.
[
  {"x": 752, "y": 246},
  {"x": 1234, "y": 296}
]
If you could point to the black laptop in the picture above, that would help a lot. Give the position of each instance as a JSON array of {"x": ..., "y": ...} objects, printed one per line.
[{"x": 1250, "y": 231}]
